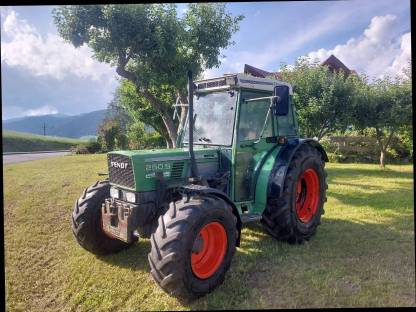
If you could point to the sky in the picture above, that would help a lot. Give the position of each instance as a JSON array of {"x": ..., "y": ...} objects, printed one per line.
[{"x": 41, "y": 74}]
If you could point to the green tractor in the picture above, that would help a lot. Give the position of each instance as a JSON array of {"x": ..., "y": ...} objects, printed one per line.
[{"x": 240, "y": 159}]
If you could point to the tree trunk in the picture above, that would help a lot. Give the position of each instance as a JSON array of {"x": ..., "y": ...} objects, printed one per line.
[
  {"x": 167, "y": 119},
  {"x": 184, "y": 112},
  {"x": 382, "y": 147},
  {"x": 382, "y": 159},
  {"x": 322, "y": 133}
]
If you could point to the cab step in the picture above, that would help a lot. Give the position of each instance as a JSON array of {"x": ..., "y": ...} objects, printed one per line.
[{"x": 245, "y": 218}]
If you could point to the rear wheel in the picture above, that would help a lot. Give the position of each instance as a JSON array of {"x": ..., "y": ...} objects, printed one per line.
[
  {"x": 295, "y": 216},
  {"x": 193, "y": 246}
]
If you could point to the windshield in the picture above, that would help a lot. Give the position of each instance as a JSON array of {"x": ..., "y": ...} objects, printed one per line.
[{"x": 214, "y": 118}]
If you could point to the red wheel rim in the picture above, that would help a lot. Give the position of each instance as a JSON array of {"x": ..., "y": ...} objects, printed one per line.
[
  {"x": 208, "y": 250},
  {"x": 307, "y": 195}
]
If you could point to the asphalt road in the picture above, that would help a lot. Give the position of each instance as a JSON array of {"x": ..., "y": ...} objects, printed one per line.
[{"x": 16, "y": 158}]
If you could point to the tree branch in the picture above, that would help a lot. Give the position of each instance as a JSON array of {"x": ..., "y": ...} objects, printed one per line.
[
  {"x": 323, "y": 130},
  {"x": 121, "y": 67}
]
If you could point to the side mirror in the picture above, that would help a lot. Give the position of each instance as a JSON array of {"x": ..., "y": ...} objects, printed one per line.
[{"x": 281, "y": 104}]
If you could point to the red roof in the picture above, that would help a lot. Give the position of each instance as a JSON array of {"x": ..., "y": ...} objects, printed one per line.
[
  {"x": 257, "y": 72},
  {"x": 332, "y": 62}
]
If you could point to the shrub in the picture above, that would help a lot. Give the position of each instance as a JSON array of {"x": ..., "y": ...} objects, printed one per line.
[
  {"x": 362, "y": 147},
  {"x": 140, "y": 139},
  {"x": 90, "y": 147}
]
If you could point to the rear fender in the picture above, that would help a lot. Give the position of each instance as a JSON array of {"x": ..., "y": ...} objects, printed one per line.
[{"x": 278, "y": 174}]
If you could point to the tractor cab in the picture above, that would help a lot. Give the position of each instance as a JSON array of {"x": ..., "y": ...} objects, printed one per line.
[{"x": 244, "y": 118}]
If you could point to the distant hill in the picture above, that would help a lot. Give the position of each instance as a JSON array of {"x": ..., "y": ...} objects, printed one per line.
[
  {"x": 58, "y": 124},
  {"x": 27, "y": 142}
]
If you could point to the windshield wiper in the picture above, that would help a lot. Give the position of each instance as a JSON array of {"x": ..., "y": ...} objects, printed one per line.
[{"x": 204, "y": 139}]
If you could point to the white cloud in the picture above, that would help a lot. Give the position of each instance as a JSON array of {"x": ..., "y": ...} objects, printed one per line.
[
  {"x": 377, "y": 52},
  {"x": 277, "y": 50},
  {"x": 43, "y": 110},
  {"x": 401, "y": 60},
  {"x": 212, "y": 73},
  {"x": 14, "y": 111},
  {"x": 216, "y": 72},
  {"x": 47, "y": 55}
]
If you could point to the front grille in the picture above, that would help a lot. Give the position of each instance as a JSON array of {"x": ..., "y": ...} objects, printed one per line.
[
  {"x": 177, "y": 169},
  {"x": 118, "y": 174},
  {"x": 211, "y": 84}
]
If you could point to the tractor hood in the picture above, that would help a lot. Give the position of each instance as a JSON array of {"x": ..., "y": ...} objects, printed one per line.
[{"x": 136, "y": 170}]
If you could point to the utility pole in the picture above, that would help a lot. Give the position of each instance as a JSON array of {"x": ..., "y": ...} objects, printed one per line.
[{"x": 44, "y": 129}]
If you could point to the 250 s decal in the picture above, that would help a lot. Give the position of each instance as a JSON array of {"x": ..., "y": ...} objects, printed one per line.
[
  {"x": 152, "y": 168},
  {"x": 158, "y": 166}
]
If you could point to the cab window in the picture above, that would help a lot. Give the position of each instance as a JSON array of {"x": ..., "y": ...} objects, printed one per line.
[{"x": 252, "y": 117}]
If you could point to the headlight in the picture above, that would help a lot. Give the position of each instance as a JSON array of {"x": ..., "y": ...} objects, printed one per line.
[
  {"x": 114, "y": 193},
  {"x": 130, "y": 197}
]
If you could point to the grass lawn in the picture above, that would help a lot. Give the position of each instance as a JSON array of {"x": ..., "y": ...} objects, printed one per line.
[
  {"x": 27, "y": 142},
  {"x": 363, "y": 253}
]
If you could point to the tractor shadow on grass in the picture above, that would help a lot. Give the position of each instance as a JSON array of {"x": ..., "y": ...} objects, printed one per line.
[
  {"x": 266, "y": 273},
  {"x": 134, "y": 257}
]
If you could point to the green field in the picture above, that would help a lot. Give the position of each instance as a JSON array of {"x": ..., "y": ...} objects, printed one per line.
[
  {"x": 363, "y": 254},
  {"x": 28, "y": 142}
]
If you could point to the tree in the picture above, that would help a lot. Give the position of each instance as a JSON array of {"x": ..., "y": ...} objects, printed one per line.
[
  {"x": 111, "y": 136},
  {"x": 151, "y": 46},
  {"x": 321, "y": 97},
  {"x": 140, "y": 139},
  {"x": 384, "y": 105},
  {"x": 140, "y": 111},
  {"x": 117, "y": 112}
]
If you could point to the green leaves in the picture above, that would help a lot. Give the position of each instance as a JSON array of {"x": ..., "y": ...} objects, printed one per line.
[
  {"x": 321, "y": 97},
  {"x": 150, "y": 45},
  {"x": 327, "y": 101}
]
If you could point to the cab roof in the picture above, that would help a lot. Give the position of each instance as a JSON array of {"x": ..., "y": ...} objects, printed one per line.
[{"x": 239, "y": 81}]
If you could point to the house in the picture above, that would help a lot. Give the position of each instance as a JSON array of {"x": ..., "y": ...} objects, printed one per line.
[{"x": 333, "y": 63}]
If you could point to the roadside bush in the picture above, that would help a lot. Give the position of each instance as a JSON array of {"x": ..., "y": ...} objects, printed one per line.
[
  {"x": 90, "y": 147},
  {"x": 153, "y": 140},
  {"x": 147, "y": 141},
  {"x": 111, "y": 135}
]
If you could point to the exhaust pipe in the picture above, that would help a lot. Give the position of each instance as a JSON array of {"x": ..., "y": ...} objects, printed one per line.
[{"x": 194, "y": 169}]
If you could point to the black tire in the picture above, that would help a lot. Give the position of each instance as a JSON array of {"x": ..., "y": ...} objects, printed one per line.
[
  {"x": 280, "y": 217},
  {"x": 173, "y": 241},
  {"x": 87, "y": 224}
]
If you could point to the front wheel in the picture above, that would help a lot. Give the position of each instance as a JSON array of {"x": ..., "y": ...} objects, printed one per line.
[
  {"x": 295, "y": 216},
  {"x": 87, "y": 223},
  {"x": 193, "y": 246}
]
